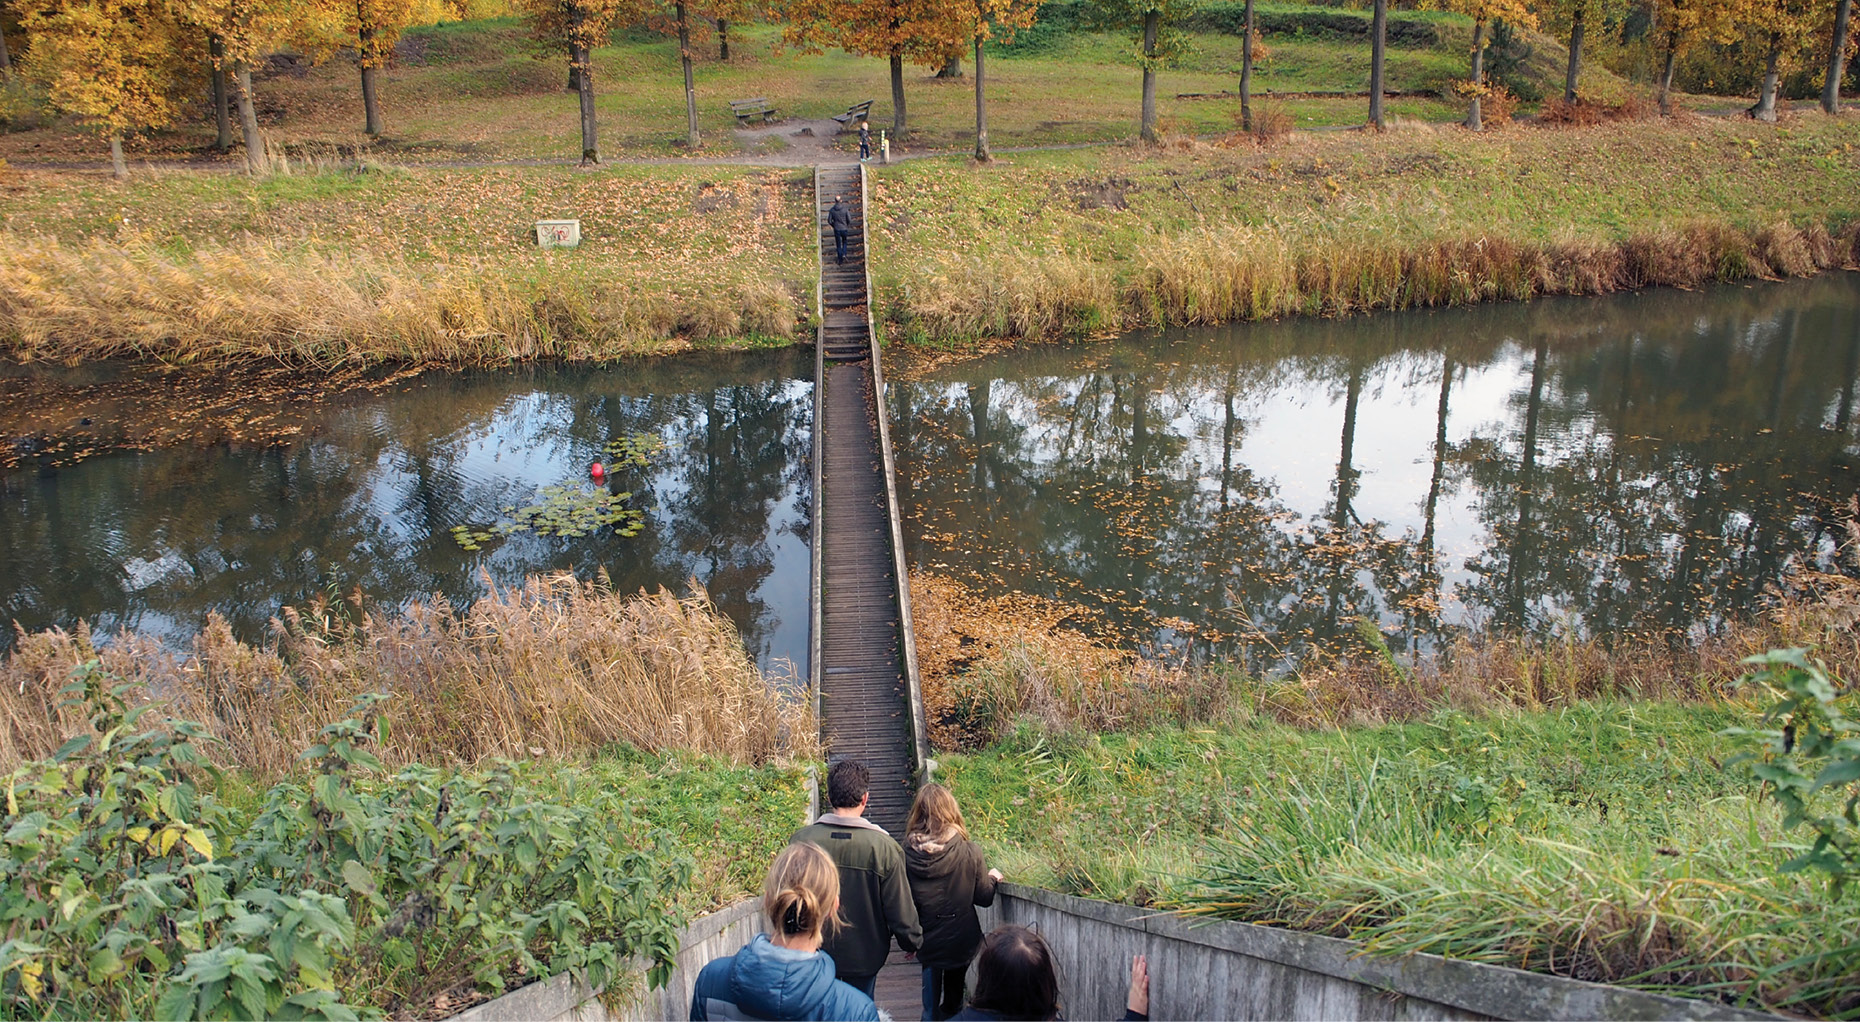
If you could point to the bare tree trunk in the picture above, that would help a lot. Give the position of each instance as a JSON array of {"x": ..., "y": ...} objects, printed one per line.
[
  {"x": 898, "y": 121},
  {"x": 952, "y": 67},
  {"x": 981, "y": 103},
  {"x": 1246, "y": 70},
  {"x": 1473, "y": 119},
  {"x": 684, "y": 56},
  {"x": 1152, "y": 21},
  {"x": 1765, "y": 110},
  {"x": 1575, "y": 56},
  {"x": 1837, "y": 58},
  {"x": 256, "y": 161},
  {"x": 1378, "y": 60},
  {"x": 118, "y": 168},
  {"x": 6, "y": 59},
  {"x": 1666, "y": 78},
  {"x": 371, "y": 108},
  {"x": 222, "y": 103},
  {"x": 584, "y": 88},
  {"x": 723, "y": 39}
]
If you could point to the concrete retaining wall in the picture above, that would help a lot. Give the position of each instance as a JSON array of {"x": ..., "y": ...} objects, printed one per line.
[
  {"x": 1225, "y": 970},
  {"x": 566, "y": 999}
]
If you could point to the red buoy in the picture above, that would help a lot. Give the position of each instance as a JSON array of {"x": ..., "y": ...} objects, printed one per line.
[{"x": 597, "y": 472}]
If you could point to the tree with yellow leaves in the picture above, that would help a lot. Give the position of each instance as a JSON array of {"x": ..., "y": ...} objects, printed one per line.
[
  {"x": 1575, "y": 17},
  {"x": 1483, "y": 13},
  {"x": 114, "y": 64},
  {"x": 1678, "y": 24},
  {"x": 576, "y": 27},
  {"x": 371, "y": 28},
  {"x": 920, "y": 31},
  {"x": 1781, "y": 30},
  {"x": 1837, "y": 57},
  {"x": 245, "y": 30},
  {"x": 994, "y": 19}
]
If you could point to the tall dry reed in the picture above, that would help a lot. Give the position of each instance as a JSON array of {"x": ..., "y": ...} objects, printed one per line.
[
  {"x": 988, "y": 661},
  {"x": 554, "y": 666},
  {"x": 1225, "y": 273},
  {"x": 261, "y": 299}
]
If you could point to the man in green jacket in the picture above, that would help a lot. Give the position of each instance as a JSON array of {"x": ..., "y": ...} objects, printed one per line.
[{"x": 875, "y": 895}]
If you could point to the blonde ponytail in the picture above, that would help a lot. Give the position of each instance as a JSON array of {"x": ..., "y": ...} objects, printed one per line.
[{"x": 802, "y": 892}]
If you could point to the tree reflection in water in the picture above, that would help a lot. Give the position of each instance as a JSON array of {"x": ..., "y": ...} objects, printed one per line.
[
  {"x": 1645, "y": 462},
  {"x": 156, "y": 541}
]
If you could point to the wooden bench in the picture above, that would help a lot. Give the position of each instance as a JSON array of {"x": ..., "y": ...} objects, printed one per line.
[
  {"x": 856, "y": 112},
  {"x": 744, "y": 109}
]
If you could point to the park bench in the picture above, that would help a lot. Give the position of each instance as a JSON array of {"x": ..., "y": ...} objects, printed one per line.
[
  {"x": 744, "y": 109},
  {"x": 856, "y": 112}
]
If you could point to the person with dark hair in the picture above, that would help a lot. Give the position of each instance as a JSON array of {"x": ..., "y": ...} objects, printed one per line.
[
  {"x": 874, "y": 895},
  {"x": 949, "y": 880},
  {"x": 1016, "y": 978},
  {"x": 841, "y": 221},
  {"x": 782, "y": 974}
]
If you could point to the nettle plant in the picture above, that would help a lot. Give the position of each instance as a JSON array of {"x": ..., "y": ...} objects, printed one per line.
[
  {"x": 129, "y": 891},
  {"x": 1808, "y": 759}
]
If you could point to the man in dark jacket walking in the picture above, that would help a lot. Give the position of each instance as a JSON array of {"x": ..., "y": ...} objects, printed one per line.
[
  {"x": 875, "y": 896},
  {"x": 841, "y": 222}
]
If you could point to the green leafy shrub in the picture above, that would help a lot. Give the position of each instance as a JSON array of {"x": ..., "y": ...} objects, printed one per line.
[
  {"x": 132, "y": 892},
  {"x": 1808, "y": 760}
]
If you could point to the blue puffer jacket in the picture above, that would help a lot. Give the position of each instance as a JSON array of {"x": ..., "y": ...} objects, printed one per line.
[{"x": 763, "y": 981}]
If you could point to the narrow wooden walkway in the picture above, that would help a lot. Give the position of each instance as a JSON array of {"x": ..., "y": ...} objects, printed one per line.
[{"x": 863, "y": 663}]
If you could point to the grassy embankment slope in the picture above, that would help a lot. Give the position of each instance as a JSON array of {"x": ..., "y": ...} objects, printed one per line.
[{"x": 435, "y": 262}]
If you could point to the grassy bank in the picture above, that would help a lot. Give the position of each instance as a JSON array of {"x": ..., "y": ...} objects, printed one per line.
[
  {"x": 348, "y": 266},
  {"x": 1057, "y": 244},
  {"x": 556, "y": 668},
  {"x": 1598, "y": 840}
]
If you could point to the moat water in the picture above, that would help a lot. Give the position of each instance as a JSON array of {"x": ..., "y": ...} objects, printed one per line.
[{"x": 1593, "y": 466}]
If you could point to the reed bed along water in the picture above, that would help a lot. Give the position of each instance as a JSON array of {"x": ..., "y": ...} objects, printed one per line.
[
  {"x": 553, "y": 667},
  {"x": 256, "y": 298},
  {"x": 1226, "y": 273},
  {"x": 992, "y": 662}
]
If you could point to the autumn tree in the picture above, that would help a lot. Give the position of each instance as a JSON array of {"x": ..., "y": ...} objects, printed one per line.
[
  {"x": 994, "y": 19},
  {"x": 1677, "y": 25},
  {"x": 1483, "y": 13},
  {"x": 1573, "y": 19},
  {"x": 370, "y": 28},
  {"x": 920, "y": 31},
  {"x": 576, "y": 27},
  {"x": 247, "y": 30},
  {"x": 6, "y": 58},
  {"x": 1159, "y": 39},
  {"x": 113, "y": 64},
  {"x": 1837, "y": 57},
  {"x": 1780, "y": 30}
]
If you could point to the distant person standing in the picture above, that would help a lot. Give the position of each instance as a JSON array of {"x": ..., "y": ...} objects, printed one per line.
[
  {"x": 875, "y": 898},
  {"x": 865, "y": 140},
  {"x": 949, "y": 880},
  {"x": 841, "y": 221}
]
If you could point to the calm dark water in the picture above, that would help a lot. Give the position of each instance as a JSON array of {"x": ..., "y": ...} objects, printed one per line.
[
  {"x": 155, "y": 541},
  {"x": 1584, "y": 466},
  {"x": 1589, "y": 466}
]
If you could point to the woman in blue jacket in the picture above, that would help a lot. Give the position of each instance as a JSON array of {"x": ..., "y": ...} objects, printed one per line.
[{"x": 786, "y": 975}]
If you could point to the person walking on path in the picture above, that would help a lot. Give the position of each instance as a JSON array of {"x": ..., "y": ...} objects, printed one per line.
[
  {"x": 865, "y": 141},
  {"x": 841, "y": 222},
  {"x": 782, "y": 974},
  {"x": 875, "y": 897},
  {"x": 949, "y": 880}
]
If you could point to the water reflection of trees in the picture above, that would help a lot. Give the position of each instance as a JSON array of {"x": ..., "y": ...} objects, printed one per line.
[
  {"x": 159, "y": 539},
  {"x": 1658, "y": 461}
]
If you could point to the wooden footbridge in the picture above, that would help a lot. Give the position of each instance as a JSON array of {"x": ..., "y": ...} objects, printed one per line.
[{"x": 863, "y": 661}]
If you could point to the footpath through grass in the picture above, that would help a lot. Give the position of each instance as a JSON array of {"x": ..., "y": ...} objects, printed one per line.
[{"x": 1601, "y": 841}]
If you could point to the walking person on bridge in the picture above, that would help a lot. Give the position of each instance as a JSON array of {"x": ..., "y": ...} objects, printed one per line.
[
  {"x": 875, "y": 897},
  {"x": 841, "y": 222},
  {"x": 949, "y": 880}
]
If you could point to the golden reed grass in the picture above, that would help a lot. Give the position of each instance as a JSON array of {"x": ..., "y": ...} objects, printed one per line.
[
  {"x": 1222, "y": 274},
  {"x": 987, "y": 661},
  {"x": 555, "y": 666},
  {"x": 260, "y": 299}
]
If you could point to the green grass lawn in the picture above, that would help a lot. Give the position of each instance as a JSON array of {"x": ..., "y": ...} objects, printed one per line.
[{"x": 1600, "y": 840}]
